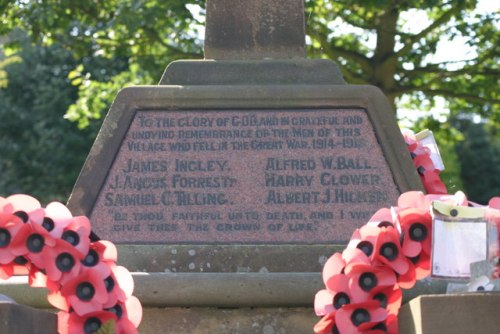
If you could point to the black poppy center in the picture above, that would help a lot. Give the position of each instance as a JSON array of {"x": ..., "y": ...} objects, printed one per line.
[
  {"x": 72, "y": 237},
  {"x": 109, "y": 282},
  {"x": 385, "y": 224},
  {"x": 85, "y": 291},
  {"x": 35, "y": 243},
  {"x": 5, "y": 237},
  {"x": 340, "y": 299},
  {"x": 91, "y": 259},
  {"x": 48, "y": 224},
  {"x": 380, "y": 326},
  {"x": 366, "y": 247},
  {"x": 360, "y": 316},
  {"x": 418, "y": 232},
  {"x": 23, "y": 215},
  {"x": 65, "y": 262},
  {"x": 92, "y": 325},
  {"x": 117, "y": 310},
  {"x": 21, "y": 260},
  {"x": 389, "y": 250},
  {"x": 382, "y": 298},
  {"x": 367, "y": 281}
]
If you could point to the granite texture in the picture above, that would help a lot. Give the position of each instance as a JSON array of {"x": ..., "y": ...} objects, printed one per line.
[
  {"x": 236, "y": 176},
  {"x": 380, "y": 140}
]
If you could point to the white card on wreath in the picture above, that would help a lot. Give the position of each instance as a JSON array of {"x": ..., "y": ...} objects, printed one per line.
[{"x": 459, "y": 238}]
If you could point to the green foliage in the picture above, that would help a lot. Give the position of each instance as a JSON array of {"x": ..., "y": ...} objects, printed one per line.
[
  {"x": 479, "y": 155},
  {"x": 41, "y": 153}
]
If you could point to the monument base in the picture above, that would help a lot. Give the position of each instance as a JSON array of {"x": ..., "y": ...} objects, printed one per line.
[
  {"x": 443, "y": 314},
  {"x": 20, "y": 319}
]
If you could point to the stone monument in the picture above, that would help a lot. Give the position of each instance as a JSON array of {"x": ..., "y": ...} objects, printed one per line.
[{"x": 232, "y": 180}]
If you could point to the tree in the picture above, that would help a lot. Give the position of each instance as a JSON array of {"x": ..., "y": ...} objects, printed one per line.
[
  {"x": 115, "y": 43},
  {"x": 479, "y": 155},
  {"x": 400, "y": 59},
  {"x": 41, "y": 152}
]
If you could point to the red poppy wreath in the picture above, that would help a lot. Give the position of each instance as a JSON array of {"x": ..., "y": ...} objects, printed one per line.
[
  {"x": 391, "y": 252},
  {"x": 54, "y": 249}
]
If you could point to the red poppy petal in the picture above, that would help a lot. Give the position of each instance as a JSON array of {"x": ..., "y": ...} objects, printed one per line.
[
  {"x": 411, "y": 248},
  {"x": 134, "y": 310},
  {"x": 110, "y": 253},
  {"x": 324, "y": 326},
  {"x": 124, "y": 280},
  {"x": 494, "y": 203},
  {"x": 21, "y": 202},
  {"x": 333, "y": 266},
  {"x": 57, "y": 300},
  {"x": 323, "y": 302},
  {"x": 84, "y": 307}
]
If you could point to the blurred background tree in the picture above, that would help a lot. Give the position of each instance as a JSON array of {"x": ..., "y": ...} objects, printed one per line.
[{"x": 62, "y": 62}]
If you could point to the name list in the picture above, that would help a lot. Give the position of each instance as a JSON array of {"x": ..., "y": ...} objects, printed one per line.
[{"x": 238, "y": 176}]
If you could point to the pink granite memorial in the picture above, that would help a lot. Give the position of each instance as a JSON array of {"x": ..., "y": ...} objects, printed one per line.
[{"x": 267, "y": 176}]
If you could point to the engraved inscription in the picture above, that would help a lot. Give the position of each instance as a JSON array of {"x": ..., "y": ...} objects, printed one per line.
[{"x": 280, "y": 176}]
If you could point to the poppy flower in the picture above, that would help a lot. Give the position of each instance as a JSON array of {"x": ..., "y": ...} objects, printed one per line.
[
  {"x": 327, "y": 325},
  {"x": 352, "y": 256},
  {"x": 383, "y": 218},
  {"x": 85, "y": 293},
  {"x": 333, "y": 266},
  {"x": 360, "y": 317},
  {"x": 32, "y": 241},
  {"x": 72, "y": 323},
  {"x": 27, "y": 208},
  {"x": 494, "y": 203},
  {"x": 389, "y": 297},
  {"x": 364, "y": 239},
  {"x": 62, "y": 262},
  {"x": 77, "y": 234},
  {"x": 416, "y": 227},
  {"x": 119, "y": 285},
  {"x": 101, "y": 254},
  {"x": 388, "y": 251},
  {"x": 128, "y": 314},
  {"x": 363, "y": 278},
  {"x": 10, "y": 225},
  {"x": 57, "y": 217},
  {"x": 432, "y": 182},
  {"x": 335, "y": 295}
]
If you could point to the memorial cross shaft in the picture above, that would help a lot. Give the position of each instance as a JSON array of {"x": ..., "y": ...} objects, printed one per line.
[{"x": 256, "y": 29}]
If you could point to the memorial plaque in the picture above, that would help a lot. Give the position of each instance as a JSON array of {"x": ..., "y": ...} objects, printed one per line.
[
  {"x": 256, "y": 146},
  {"x": 236, "y": 176}
]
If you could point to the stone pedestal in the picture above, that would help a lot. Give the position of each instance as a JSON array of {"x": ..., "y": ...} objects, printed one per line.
[
  {"x": 450, "y": 314},
  {"x": 21, "y": 319}
]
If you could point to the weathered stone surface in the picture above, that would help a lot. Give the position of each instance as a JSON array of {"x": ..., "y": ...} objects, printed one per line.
[
  {"x": 20, "y": 319},
  {"x": 228, "y": 321},
  {"x": 447, "y": 314},
  {"x": 215, "y": 290},
  {"x": 354, "y": 150},
  {"x": 257, "y": 29},
  {"x": 252, "y": 72},
  {"x": 237, "y": 176},
  {"x": 225, "y": 258}
]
